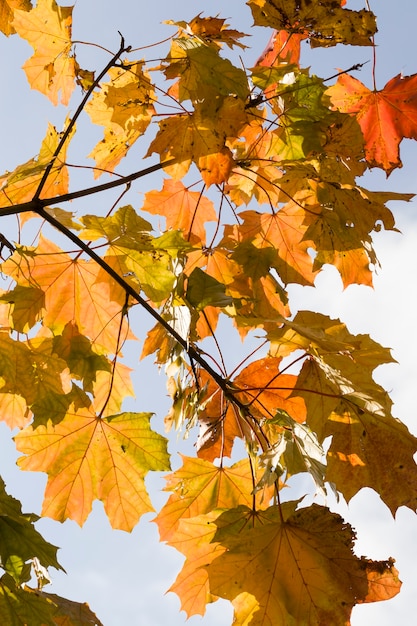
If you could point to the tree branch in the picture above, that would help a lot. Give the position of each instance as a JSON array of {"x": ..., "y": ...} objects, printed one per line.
[
  {"x": 192, "y": 352},
  {"x": 33, "y": 205},
  {"x": 78, "y": 112}
]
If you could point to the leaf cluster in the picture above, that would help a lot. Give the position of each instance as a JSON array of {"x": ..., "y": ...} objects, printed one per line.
[{"x": 260, "y": 190}]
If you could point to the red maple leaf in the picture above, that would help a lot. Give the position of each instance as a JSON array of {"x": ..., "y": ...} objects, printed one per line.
[{"x": 385, "y": 117}]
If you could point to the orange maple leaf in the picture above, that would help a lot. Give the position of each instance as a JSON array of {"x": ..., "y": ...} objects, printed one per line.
[
  {"x": 293, "y": 567},
  {"x": 72, "y": 292},
  {"x": 385, "y": 117},
  {"x": 266, "y": 389},
  {"x": 277, "y": 566},
  {"x": 200, "y": 487},
  {"x": 7, "y": 8},
  {"x": 21, "y": 184},
  {"x": 183, "y": 209},
  {"x": 220, "y": 423},
  {"x": 87, "y": 457},
  {"x": 124, "y": 107},
  {"x": 47, "y": 28},
  {"x": 283, "y": 47},
  {"x": 283, "y": 232}
]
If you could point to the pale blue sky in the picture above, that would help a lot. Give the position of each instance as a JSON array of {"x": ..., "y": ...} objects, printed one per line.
[{"x": 124, "y": 576}]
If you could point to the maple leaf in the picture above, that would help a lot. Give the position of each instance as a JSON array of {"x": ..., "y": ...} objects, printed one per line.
[
  {"x": 20, "y": 605},
  {"x": 220, "y": 423},
  {"x": 47, "y": 28},
  {"x": 87, "y": 457},
  {"x": 124, "y": 106},
  {"x": 20, "y": 541},
  {"x": 183, "y": 209},
  {"x": 70, "y": 290},
  {"x": 69, "y": 613},
  {"x": 385, "y": 117},
  {"x": 14, "y": 408},
  {"x": 30, "y": 374},
  {"x": 159, "y": 341},
  {"x": 111, "y": 388},
  {"x": 325, "y": 24},
  {"x": 21, "y": 184},
  {"x": 7, "y": 8},
  {"x": 370, "y": 449},
  {"x": 283, "y": 232},
  {"x": 194, "y": 538},
  {"x": 204, "y": 290},
  {"x": 199, "y": 135},
  {"x": 76, "y": 350},
  {"x": 265, "y": 389},
  {"x": 344, "y": 402},
  {"x": 203, "y": 72},
  {"x": 257, "y": 561},
  {"x": 211, "y": 30},
  {"x": 282, "y": 48},
  {"x": 199, "y": 487},
  {"x": 144, "y": 261}
]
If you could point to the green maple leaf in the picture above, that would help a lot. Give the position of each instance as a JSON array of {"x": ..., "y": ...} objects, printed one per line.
[
  {"x": 20, "y": 542},
  {"x": 23, "y": 606},
  {"x": 204, "y": 290},
  {"x": 26, "y": 306}
]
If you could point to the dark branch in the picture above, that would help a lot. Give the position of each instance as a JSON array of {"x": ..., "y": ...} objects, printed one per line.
[{"x": 77, "y": 113}]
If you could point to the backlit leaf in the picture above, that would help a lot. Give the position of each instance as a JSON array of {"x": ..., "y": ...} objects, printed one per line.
[
  {"x": 69, "y": 613},
  {"x": 191, "y": 137},
  {"x": 88, "y": 457},
  {"x": 124, "y": 106},
  {"x": 20, "y": 185},
  {"x": 326, "y": 24},
  {"x": 26, "y": 306},
  {"x": 51, "y": 69},
  {"x": 386, "y": 117},
  {"x": 262, "y": 556},
  {"x": 370, "y": 449},
  {"x": 23, "y": 606},
  {"x": 71, "y": 291},
  {"x": 212, "y": 30},
  {"x": 201, "y": 69},
  {"x": 265, "y": 389},
  {"x": 204, "y": 290},
  {"x": 200, "y": 487},
  {"x": 20, "y": 541},
  {"x": 7, "y": 8}
]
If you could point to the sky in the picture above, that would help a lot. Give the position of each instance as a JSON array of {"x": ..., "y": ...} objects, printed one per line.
[{"x": 124, "y": 576}]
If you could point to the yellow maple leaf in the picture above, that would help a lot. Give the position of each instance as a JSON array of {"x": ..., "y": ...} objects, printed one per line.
[
  {"x": 51, "y": 69},
  {"x": 7, "y": 9},
  {"x": 293, "y": 567},
  {"x": 200, "y": 487},
  {"x": 87, "y": 457},
  {"x": 21, "y": 184},
  {"x": 124, "y": 106},
  {"x": 201, "y": 137}
]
